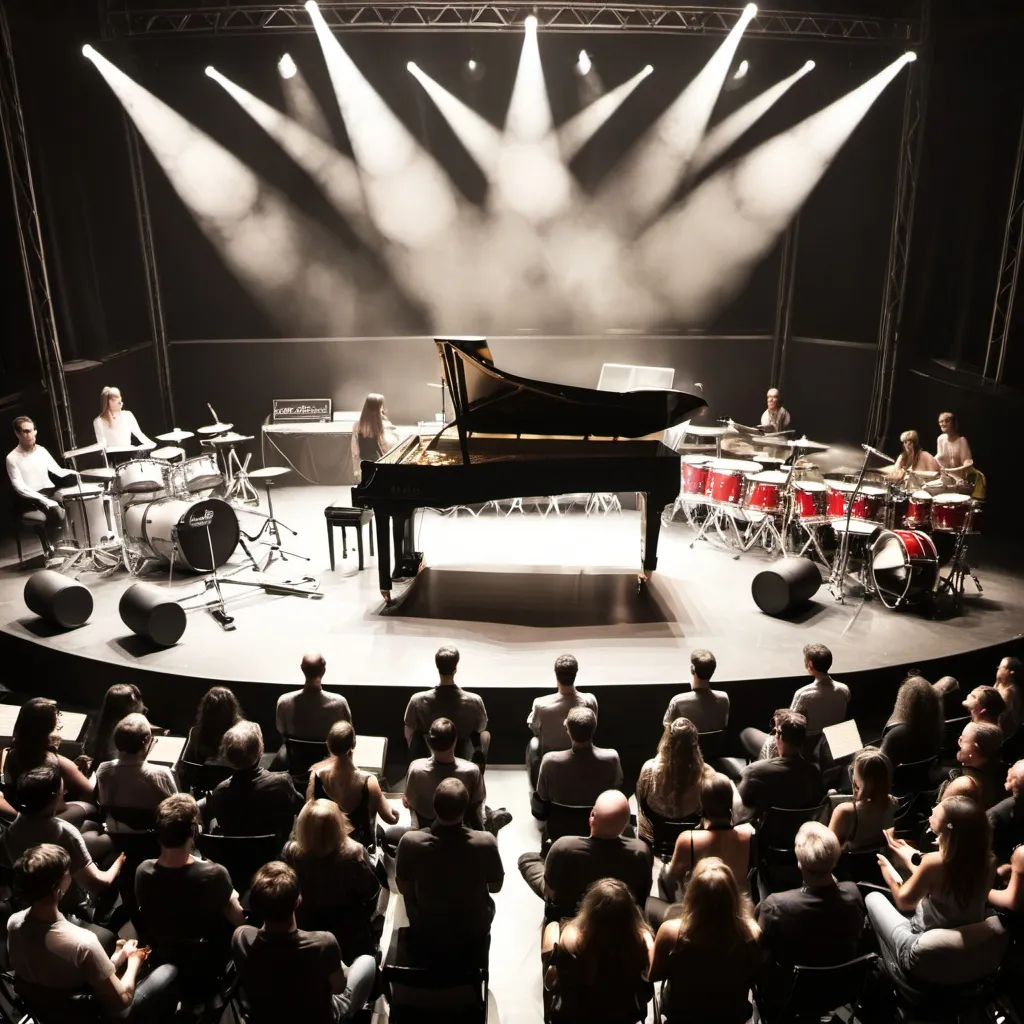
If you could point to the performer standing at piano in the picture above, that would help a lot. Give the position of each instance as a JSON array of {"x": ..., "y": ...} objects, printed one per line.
[
  {"x": 953, "y": 454},
  {"x": 912, "y": 461},
  {"x": 373, "y": 434},
  {"x": 775, "y": 418},
  {"x": 115, "y": 425},
  {"x": 31, "y": 468}
]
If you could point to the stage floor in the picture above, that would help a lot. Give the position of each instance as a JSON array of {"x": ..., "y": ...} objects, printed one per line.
[{"x": 512, "y": 593}]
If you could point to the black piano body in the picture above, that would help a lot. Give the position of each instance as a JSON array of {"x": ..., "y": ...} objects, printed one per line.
[{"x": 515, "y": 437}]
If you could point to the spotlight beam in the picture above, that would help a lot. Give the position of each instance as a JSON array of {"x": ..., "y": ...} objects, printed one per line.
[{"x": 575, "y": 133}]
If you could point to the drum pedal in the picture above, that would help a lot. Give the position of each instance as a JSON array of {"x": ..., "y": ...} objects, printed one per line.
[{"x": 223, "y": 618}]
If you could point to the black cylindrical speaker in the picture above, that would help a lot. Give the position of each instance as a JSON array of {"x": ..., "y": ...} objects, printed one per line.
[
  {"x": 148, "y": 611},
  {"x": 59, "y": 598},
  {"x": 786, "y": 586}
]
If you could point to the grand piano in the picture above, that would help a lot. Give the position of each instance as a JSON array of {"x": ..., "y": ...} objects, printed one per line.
[{"x": 515, "y": 437}]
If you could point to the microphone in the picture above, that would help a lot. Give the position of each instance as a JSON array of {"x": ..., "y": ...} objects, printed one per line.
[{"x": 875, "y": 451}]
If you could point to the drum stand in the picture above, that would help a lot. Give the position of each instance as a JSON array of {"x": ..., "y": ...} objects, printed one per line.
[
  {"x": 837, "y": 577},
  {"x": 272, "y": 525},
  {"x": 959, "y": 568},
  {"x": 240, "y": 488}
]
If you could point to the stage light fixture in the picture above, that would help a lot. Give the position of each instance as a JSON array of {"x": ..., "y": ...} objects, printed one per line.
[
  {"x": 809, "y": 66},
  {"x": 88, "y": 51},
  {"x": 311, "y": 6},
  {"x": 287, "y": 66},
  {"x": 211, "y": 71},
  {"x": 471, "y": 64},
  {"x": 741, "y": 71},
  {"x": 649, "y": 69},
  {"x": 750, "y": 11},
  {"x": 531, "y": 23},
  {"x": 910, "y": 56},
  {"x": 584, "y": 63},
  {"x": 412, "y": 67}
]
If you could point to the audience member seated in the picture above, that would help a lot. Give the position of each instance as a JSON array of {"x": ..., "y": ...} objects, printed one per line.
[
  {"x": 287, "y": 973},
  {"x": 131, "y": 781},
  {"x": 960, "y": 785},
  {"x": 547, "y": 716},
  {"x": 38, "y": 794},
  {"x": 787, "y": 780},
  {"x": 817, "y": 925},
  {"x": 1008, "y": 683},
  {"x": 711, "y": 948},
  {"x": 34, "y": 742},
  {"x": 338, "y": 886},
  {"x": 447, "y": 873},
  {"x": 54, "y": 959},
  {"x": 914, "y": 730},
  {"x": 985, "y": 704},
  {"x": 183, "y": 900},
  {"x": 448, "y": 700},
  {"x": 1012, "y": 897},
  {"x": 1007, "y": 816},
  {"x": 120, "y": 701},
  {"x": 218, "y": 711},
  {"x": 945, "y": 889},
  {"x": 978, "y": 755},
  {"x": 717, "y": 837},
  {"x": 859, "y": 823},
  {"x": 356, "y": 792},
  {"x": 253, "y": 802},
  {"x": 948, "y": 689},
  {"x": 596, "y": 964},
  {"x": 574, "y": 862},
  {"x": 708, "y": 709},
  {"x": 309, "y": 713},
  {"x": 575, "y": 777},
  {"x": 822, "y": 702},
  {"x": 668, "y": 786}
]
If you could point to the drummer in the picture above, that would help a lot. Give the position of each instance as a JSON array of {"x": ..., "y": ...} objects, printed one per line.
[
  {"x": 115, "y": 425},
  {"x": 31, "y": 468},
  {"x": 775, "y": 419},
  {"x": 953, "y": 454},
  {"x": 913, "y": 460}
]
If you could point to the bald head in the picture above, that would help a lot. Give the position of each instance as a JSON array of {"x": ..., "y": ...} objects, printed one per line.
[
  {"x": 1015, "y": 780},
  {"x": 610, "y": 815},
  {"x": 313, "y": 667}
]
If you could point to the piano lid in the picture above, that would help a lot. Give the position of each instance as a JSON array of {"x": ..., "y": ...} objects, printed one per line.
[{"x": 491, "y": 401}]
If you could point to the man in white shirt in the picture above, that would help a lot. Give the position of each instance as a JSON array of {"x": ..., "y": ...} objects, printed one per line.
[
  {"x": 953, "y": 454},
  {"x": 30, "y": 468},
  {"x": 547, "y": 716},
  {"x": 775, "y": 418},
  {"x": 708, "y": 709}
]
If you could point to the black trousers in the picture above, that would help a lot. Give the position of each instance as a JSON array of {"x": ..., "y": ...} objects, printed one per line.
[{"x": 49, "y": 531}]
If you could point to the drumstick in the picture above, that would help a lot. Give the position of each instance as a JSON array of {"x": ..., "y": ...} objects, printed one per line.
[{"x": 216, "y": 419}]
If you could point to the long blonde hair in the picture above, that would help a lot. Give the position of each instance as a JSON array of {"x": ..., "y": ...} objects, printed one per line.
[
  {"x": 322, "y": 829},
  {"x": 611, "y": 932},
  {"x": 965, "y": 843},
  {"x": 715, "y": 912},
  {"x": 371, "y": 419},
  {"x": 105, "y": 402},
  {"x": 680, "y": 760}
]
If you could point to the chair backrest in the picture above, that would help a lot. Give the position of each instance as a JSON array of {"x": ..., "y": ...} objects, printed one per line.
[
  {"x": 913, "y": 776},
  {"x": 711, "y": 743},
  {"x": 816, "y": 991},
  {"x": 861, "y": 865},
  {"x": 140, "y": 819},
  {"x": 567, "y": 820},
  {"x": 780, "y": 825},
  {"x": 201, "y": 779},
  {"x": 303, "y": 754},
  {"x": 241, "y": 856},
  {"x": 667, "y": 831}
]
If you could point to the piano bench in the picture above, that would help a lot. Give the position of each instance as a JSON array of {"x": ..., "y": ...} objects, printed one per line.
[{"x": 357, "y": 518}]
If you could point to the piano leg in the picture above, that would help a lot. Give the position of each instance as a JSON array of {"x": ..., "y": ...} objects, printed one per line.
[
  {"x": 407, "y": 560},
  {"x": 650, "y": 507},
  {"x": 382, "y": 524}
]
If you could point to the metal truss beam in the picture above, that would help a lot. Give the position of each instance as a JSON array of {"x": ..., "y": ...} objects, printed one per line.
[
  {"x": 30, "y": 243},
  {"x": 1009, "y": 272},
  {"x": 128, "y": 18},
  {"x": 895, "y": 288}
]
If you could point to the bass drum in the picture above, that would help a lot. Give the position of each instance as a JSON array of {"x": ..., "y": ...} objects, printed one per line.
[
  {"x": 175, "y": 528},
  {"x": 904, "y": 567}
]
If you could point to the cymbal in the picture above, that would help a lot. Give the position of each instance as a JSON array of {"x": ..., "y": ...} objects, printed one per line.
[
  {"x": 215, "y": 428},
  {"x": 806, "y": 444},
  {"x": 267, "y": 472},
  {"x": 175, "y": 435},
  {"x": 230, "y": 438},
  {"x": 699, "y": 430},
  {"x": 100, "y": 473},
  {"x": 170, "y": 452},
  {"x": 127, "y": 449},
  {"x": 89, "y": 449}
]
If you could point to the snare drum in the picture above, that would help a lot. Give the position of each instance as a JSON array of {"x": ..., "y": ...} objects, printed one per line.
[
  {"x": 90, "y": 520},
  {"x": 176, "y": 528},
  {"x": 867, "y": 504},
  {"x": 810, "y": 500},
  {"x": 904, "y": 567},
  {"x": 201, "y": 473},
  {"x": 695, "y": 473},
  {"x": 918, "y": 514},
  {"x": 764, "y": 491},
  {"x": 726, "y": 479},
  {"x": 141, "y": 476},
  {"x": 950, "y": 511}
]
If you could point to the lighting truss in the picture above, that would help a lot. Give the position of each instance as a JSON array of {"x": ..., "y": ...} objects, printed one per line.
[{"x": 136, "y": 18}]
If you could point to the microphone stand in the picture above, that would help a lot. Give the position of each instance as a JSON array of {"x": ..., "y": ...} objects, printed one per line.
[{"x": 837, "y": 578}]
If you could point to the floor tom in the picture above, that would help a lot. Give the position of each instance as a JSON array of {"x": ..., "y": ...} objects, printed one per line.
[{"x": 90, "y": 520}]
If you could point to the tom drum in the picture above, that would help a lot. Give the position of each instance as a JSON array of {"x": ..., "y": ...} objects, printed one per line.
[
  {"x": 950, "y": 511},
  {"x": 141, "y": 476},
  {"x": 201, "y": 473},
  {"x": 727, "y": 478},
  {"x": 868, "y": 504},
  {"x": 918, "y": 514},
  {"x": 904, "y": 567},
  {"x": 764, "y": 491},
  {"x": 175, "y": 528},
  {"x": 810, "y": 499},
  {"x": 695, "y": 473},
  {"x": 90, "y": 520}
]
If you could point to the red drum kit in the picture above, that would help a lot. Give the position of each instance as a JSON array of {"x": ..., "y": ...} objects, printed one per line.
[{"x": 890, "y": 534}]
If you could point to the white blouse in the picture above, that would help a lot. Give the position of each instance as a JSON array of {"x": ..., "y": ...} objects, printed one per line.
[{"x": 120, "y": 434}]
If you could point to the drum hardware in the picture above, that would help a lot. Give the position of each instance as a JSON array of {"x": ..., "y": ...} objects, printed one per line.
[
  {"x": 955, "y": 580},
  {"x": 707, "y": 432},
  {"x": 272, "y": 525},
  {"x": 216, "y": 427},
  {"x": 90, "y": 523},
  {"x": 235, "y": 471}
]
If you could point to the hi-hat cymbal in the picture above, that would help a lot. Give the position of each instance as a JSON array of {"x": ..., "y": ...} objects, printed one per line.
[
  {"x": 89, "y": 449},
  {"x": 267, "y": 472},
  {"x": 175, "y": 435},
  {"x": 99, "y": 473},
  {"x": 230, "y": 438},
  {"x": 215, "y": 428},
  {"x": 806, "y": 444},
  {"x": 699, "y": 430}
]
